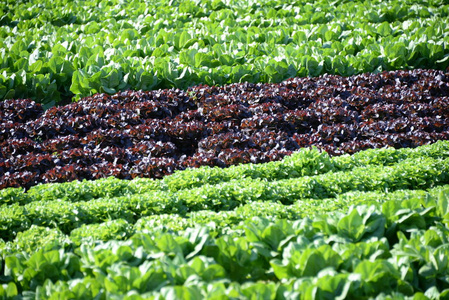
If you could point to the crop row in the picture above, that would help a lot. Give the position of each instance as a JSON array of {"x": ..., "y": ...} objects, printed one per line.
[
  {"x": 152, "y": 134},
  {"x": 52, "y": 52},
  {"x": 217, "y": 222},
  {"x": 398, "y": 248},
  {"x": 306, "y": 162},
  {"x": 411, "y": 173}
]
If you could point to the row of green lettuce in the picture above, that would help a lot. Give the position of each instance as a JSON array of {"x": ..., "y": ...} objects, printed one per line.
[
  {"x": 52, "y": 51},
  {"x": 218, "y": 223},
  {"x": 306, "y": 175},
  {"x": 395, "y": 249}
]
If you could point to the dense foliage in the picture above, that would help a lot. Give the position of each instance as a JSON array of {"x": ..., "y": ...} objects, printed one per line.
[
  {"x": 152, "y": 134},
  {"x": 55, "y": 50}
]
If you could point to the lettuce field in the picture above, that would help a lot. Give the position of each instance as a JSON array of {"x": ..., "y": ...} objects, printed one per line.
[{"x": 224, "y": 149}]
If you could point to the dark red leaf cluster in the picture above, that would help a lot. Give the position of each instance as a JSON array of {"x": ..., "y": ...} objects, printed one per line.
[{"x": 151, "y": 134}]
